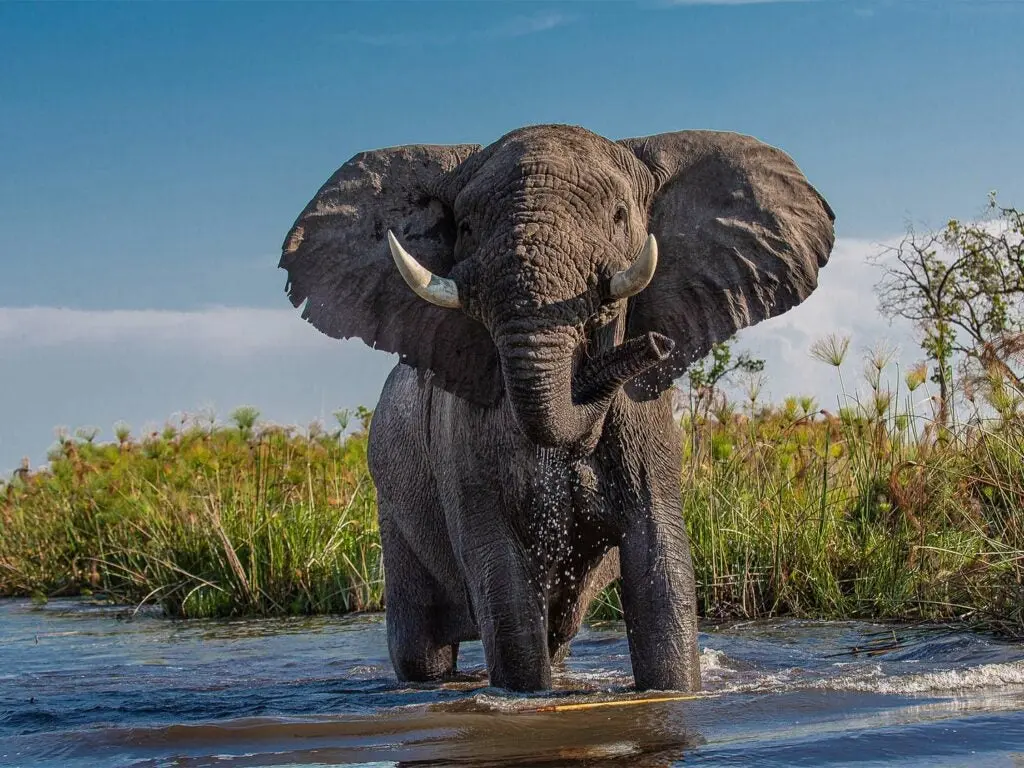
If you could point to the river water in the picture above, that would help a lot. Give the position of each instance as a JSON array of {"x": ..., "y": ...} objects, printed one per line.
[{"x": 82, "y": 685}]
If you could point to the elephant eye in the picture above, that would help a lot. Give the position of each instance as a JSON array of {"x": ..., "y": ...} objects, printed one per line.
[
  {"x": 464, "y": 229},
  {"x": 620, "y": 215}
]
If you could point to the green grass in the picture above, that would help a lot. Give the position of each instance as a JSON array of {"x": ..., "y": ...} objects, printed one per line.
[
  {"x": 204, "y": 522},
  {"x": 859, "y": 517},
  {"x": 872, "y": 513}
]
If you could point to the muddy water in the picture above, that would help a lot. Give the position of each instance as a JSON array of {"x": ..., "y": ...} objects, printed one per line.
[{"x": 82, "y": 686}]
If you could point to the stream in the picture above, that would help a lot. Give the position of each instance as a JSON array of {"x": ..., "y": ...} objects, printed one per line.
[{"x": 83, "y": 684}]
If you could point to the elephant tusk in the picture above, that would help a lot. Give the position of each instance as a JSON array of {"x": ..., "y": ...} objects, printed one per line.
[
  {"x": 440, "y": 291},
  {"x": 636, "y": 277}
]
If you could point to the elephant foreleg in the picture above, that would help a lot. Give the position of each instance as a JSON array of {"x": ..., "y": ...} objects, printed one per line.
[
  {"x": 419, "y": 618},
  {"x": 511, "y": 614},
  {"x": 659, "y": 602}
]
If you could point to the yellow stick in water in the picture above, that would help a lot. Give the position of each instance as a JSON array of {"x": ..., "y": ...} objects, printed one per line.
[{"x": 615, "y": 703}]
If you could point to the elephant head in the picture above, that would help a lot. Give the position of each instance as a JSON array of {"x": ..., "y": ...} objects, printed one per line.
[{"x": 555, "y": 267}]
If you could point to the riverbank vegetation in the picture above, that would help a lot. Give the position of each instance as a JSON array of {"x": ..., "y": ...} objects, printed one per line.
[
  {"x": 870, "y": 511},
  {"x": 892, "y": 502},
  {"x": 203, "y": 520}
]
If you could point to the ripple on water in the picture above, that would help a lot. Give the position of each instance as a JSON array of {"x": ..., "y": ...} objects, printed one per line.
[{"x": 81, "y": 687}]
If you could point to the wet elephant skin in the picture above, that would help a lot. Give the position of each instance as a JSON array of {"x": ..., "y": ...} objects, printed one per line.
[{"x": 524, "y": 449}]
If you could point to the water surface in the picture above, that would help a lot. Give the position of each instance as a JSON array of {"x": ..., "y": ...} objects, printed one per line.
[{"x": 83, "y": 685}]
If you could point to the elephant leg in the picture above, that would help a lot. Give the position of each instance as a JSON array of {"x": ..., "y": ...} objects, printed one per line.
[
  {"x": 418, "y": 616},
  {"x": 659, "y": 602},
  {"x": 569, "y": 608},
  {"x": 511, "y": 614}
]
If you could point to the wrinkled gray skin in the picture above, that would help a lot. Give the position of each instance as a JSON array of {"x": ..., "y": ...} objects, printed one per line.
[{"x": 524, "y": 449}]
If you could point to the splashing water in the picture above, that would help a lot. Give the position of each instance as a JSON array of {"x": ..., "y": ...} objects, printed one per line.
[{"x": 82, "y": 686}]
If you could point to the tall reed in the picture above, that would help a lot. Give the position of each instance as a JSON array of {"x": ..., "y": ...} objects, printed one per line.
[
  {"x": 871, "y": 511},
  {"x": 203, "y": 521}
]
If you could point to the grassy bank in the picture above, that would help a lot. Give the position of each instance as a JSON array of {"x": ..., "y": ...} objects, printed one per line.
[
  {"x": 868, "y": 512},
  {"x": 202, "y": 521},
  {"x": 853, "y": 515}
]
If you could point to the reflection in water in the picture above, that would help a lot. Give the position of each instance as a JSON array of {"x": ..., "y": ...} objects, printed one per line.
[
  {"x": 81, "y": 687},
  {"x": 431, "y": 735}
]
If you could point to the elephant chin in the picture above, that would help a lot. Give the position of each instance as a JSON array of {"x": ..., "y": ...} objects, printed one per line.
[{"x": 557, "y": 409}]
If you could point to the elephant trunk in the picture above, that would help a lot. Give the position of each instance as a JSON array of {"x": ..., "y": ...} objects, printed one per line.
[
  {"x": 600, "y": 379},
  {"x": 557, "y": 406}
]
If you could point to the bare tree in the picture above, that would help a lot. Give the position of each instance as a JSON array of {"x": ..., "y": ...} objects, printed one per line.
[{"x": 963, "y": 287}]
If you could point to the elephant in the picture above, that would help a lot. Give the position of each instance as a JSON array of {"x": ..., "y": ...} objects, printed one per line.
[{"x": 542, "y": 294}]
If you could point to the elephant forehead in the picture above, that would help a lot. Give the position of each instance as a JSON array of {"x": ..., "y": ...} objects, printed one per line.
[
  {"x": 567, "y": 182},
  {"x": 549, "y": 220},
  {"x": 555, "y": 141},
  {"x": 547, "y": 174}
]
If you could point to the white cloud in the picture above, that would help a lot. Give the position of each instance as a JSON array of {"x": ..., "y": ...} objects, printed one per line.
[
  {"x": 516, "y": 26},
  {"x": 63, "y": 367},
  {"x": 528, "y": 25},
  {"x": 74, "y": 367},
  {"x": 220, "y": 331},
  {"x": 844, "y": 303}
]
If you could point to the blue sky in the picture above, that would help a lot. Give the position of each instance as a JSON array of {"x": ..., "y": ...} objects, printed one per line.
[{"x": 152, "y": 157}]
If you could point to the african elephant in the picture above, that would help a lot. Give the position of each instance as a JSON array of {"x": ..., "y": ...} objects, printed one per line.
[{"x": 542, "y": 293}]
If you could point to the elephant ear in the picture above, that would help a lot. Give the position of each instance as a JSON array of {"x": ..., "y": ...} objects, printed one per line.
[
  {"x": 741, "y": 235},
  {"x": 340, "y": 266}
]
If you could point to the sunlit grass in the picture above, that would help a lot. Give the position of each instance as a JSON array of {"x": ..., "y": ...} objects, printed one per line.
[
  {"x": 203, "y": 521},
  {"x": 870, "y": 512},
  {"x": 876, "y": 512},
  {"x": 855, "y": 518}
]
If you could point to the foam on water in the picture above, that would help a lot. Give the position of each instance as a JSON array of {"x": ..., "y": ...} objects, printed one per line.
[
  {"x": 723, "y": 675},
  {"x": 987, "y": 677},
  {"x": 79, "y": 688}
]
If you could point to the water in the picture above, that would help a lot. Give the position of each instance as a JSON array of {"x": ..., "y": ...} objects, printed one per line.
[{"x": 82, "y": 686}]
